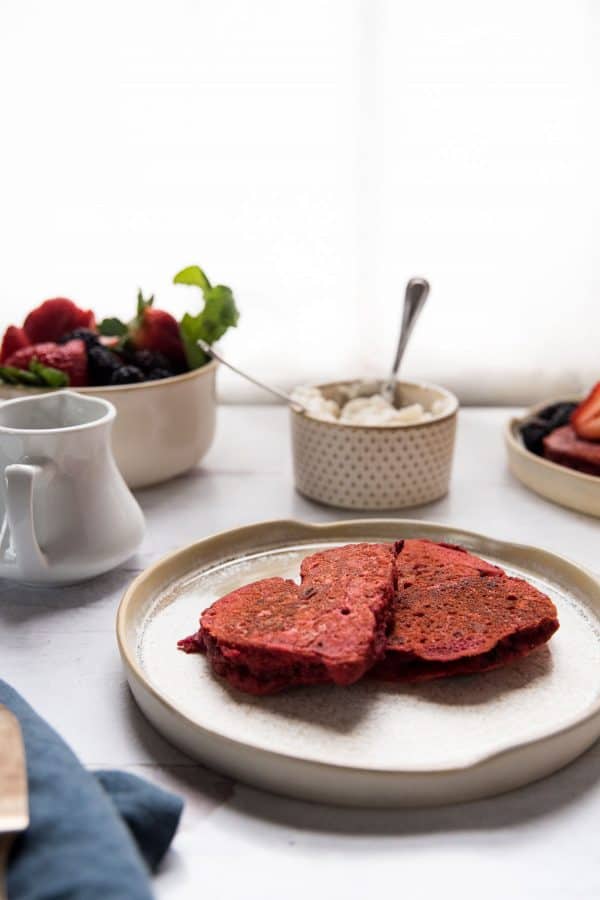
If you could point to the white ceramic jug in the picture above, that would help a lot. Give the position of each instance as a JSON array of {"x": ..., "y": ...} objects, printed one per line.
[{"x": 66, "y": 512}]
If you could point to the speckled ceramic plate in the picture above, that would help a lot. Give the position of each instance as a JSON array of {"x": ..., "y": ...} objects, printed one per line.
[
  {"x": 370, "y": 744},
  {"x": 564, "y": 486}
]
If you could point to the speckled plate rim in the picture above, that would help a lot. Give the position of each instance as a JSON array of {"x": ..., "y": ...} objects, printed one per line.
[{"x": 502, "y": 770}]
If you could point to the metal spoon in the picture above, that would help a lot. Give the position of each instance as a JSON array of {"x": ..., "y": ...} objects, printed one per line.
[
  {"x": 415, "y": 296},
  {"x": 210, "y": 351}
]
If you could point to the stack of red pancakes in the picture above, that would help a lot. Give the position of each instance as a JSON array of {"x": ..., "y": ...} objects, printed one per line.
[{"x": 403, "y": 612}]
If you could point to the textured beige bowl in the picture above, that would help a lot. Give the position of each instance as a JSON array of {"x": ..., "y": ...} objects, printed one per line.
[
  {"x": 162, "y": 427},
  {"x": 370, "y": 468},
  {"x": 564, "y": 486}
]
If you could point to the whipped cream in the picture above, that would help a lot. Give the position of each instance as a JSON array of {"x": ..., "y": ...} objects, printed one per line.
[{"x": 361, "y": 404}]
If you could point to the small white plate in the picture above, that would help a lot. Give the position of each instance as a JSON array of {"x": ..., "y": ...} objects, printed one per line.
[
  {"x": 564, "y": 486},
  {"x": 370, "y": 744}
]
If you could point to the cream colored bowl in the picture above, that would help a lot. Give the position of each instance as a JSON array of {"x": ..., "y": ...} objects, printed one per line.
[
  {"x": 162, "y": 427},
  {"x": 372, "y": 467},
  {"x": 557, "y": 483},
  {"x": 372, "y": 744}
]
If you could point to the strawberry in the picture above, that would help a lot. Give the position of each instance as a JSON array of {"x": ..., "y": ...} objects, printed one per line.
[
  {"x": 586, "y": 418},
  {"x": 53, "y": 318},
  {"x": 157, "y": 330},
  {"x": 70, "y": 358},
  {"x": 14, "y": 339}
]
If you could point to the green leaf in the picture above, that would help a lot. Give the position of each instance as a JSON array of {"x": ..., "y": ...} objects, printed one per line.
[
  {"x": 48, "y": 376},
  {"x": 219, "y": 314},
  {"x": 36, "y": 375},
  {"x": 193, "y": 275},
  {"x": 8, "y": 374},
  {"x": 112, "y": 327},
  {"x": 194, "y": 355},
  {"x": 13, "y": 375},
  {"x": 143, "y": 304}
]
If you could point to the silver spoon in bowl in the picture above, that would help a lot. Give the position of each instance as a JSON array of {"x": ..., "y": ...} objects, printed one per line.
[
  {"x": 417, "y": 291},
  {"x": 415, "y": 296},
  {"x": 212, "y": 353}
]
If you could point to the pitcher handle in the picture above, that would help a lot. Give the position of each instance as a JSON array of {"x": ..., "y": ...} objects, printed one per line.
[{"x": 20, "y": 479}]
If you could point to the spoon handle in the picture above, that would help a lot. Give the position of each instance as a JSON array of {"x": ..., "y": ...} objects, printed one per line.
[
  {"x": 415, "y": 296},
  {"x": 210, "y": 351}
]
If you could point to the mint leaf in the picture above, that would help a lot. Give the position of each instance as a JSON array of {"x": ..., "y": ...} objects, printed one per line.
[
  {"x": 112, "y": 327},
  {"x": 48, "y": 376},
  {"x": 194, "y": 276},
  {"x": 219, "y": 314},
  {"x": 188, "y": 329}
]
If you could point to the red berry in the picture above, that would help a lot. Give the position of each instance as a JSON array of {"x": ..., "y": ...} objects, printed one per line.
[
  {"x": 70, "y": 358},
  {"x": 53, "y": 318},
  {"x": 158, "y": 331},
  {"x": 14, "y": 339},
  {"x": 586, "y": 418}
]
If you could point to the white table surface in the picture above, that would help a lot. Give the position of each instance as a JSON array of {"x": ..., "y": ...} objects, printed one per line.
[{"x": 58, "y": 648}]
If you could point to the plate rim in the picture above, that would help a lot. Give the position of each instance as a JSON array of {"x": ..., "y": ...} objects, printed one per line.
[{"x": 133, "y": 668}]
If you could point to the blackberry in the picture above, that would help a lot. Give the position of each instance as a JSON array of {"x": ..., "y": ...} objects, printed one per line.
[
  {"x": 558, "y": 414},
  {"x": 533, "y": 433},
  {"x": 155, "y": 374},
  {"x": 102, "y": 363},
  {"x": 127, "y": 375},
  {"x": 89, "y": 338},
  {"x": 146, "y": 360},
  {"x": 548, "y": 412},
  {"x": 534, "y": 430}
]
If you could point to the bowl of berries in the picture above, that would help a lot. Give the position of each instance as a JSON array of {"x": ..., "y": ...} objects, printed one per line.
[
  {"x": 554, "y": 449},
  {"x": 151, "y": 368}
]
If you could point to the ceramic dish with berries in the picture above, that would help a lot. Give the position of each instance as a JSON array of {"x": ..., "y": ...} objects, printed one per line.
[
  {"x": 555, "y": 450},
  {"x": 150, "y": 368}
]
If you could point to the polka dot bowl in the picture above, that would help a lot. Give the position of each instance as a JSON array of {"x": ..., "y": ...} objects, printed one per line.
[{"x": 370, "y": 467}]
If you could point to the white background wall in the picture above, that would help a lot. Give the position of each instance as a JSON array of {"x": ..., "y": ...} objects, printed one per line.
[{"x": 313, "y": 155}]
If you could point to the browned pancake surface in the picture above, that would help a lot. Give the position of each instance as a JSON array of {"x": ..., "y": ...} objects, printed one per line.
[
  {"x": 464, "y": 625},
  {"x": 274, "y": 634},
  {"x": 425, "y": 562}
]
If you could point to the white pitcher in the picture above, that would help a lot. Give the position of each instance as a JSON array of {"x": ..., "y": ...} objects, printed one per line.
[{"x": 66, "y": 512}]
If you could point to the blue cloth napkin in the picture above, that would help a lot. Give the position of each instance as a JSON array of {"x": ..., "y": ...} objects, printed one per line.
[{"x": 91, "y": 837}]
